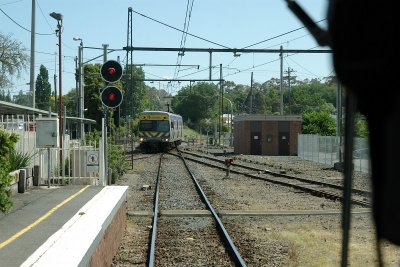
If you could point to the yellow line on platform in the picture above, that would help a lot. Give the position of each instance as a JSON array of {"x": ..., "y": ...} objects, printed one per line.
[{"x": 41, "y": 219}]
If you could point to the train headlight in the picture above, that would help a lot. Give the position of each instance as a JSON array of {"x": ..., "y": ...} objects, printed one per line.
[
  {"x": 166, "y": 139},
  {"x": 141, "y": 139}
]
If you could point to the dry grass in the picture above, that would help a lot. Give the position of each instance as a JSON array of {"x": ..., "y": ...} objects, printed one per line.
[{"x": 315, "y": 246}]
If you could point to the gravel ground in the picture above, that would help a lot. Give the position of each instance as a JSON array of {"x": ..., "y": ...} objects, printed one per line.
[{"x": 296, "y": 240}]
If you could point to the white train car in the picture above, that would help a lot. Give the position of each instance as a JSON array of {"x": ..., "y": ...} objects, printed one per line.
[{"x": 160, "y": 130}]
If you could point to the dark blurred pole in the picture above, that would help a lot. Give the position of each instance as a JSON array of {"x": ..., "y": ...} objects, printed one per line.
[{"x": 220, "y": 108}]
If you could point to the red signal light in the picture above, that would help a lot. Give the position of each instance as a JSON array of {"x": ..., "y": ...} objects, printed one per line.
[
  {"x": 111, "y": 71},
  {"x": 112, "y": 96}
]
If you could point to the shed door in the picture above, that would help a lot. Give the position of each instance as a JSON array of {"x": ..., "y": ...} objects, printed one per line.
[
  {"x": 284, "y": 146},
  {"x": 255, "y": 148}
]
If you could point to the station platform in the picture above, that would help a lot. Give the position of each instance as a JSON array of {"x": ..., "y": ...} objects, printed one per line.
[{"x": 63, "y": 226}]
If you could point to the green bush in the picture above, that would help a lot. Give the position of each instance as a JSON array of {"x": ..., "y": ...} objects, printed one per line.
[
  {"x": 19, "y": 160},
  {"x": 7, "y": 143},
  {"x": 116, "y": 161},
  {"x": 5, "y": 190}
]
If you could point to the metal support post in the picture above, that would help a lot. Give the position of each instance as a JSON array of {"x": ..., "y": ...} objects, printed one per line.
[
  {"x": 48, "y": 167},
  {"x": 105, "y": 124},
  {"x": 210, "y": 68},
  {"x": 32, "y": 66},
  {"x": 81, "y": 93}
]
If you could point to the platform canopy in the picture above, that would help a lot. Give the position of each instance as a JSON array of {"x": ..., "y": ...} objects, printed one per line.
[{"x": 12, "y": 109}]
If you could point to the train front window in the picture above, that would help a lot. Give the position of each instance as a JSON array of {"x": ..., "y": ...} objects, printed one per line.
[
  {"x": 146, "y": 126},
  {"x": 163, "y": 126},
  {"x": 156, "y": 126}
]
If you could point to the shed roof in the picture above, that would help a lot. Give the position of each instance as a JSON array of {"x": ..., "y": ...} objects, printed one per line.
[
  {"x": 7, "y": 108},
  {"x": 262, "y": 117}
]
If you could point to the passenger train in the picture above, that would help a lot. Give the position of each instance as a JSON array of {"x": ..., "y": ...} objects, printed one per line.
[{"x": 159, "y": 130}]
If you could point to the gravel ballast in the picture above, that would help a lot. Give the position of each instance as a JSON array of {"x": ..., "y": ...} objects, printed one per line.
[{"x": 270, "y": 240}]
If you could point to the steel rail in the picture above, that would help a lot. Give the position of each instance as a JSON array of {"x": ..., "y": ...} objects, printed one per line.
[
  {"x": 339, "y": 187},
  {"x": 312, "y": 191},
  {"x": 152, "y": 245},
  {"x": 234, "y": 253}
]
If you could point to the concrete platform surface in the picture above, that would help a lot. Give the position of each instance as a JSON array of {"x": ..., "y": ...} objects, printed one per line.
[{"x": 38, "y": 214}]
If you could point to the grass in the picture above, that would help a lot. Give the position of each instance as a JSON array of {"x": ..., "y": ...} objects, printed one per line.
[
  {"x": 315, "y": 246},
  {"x": 189, "y": 133}
]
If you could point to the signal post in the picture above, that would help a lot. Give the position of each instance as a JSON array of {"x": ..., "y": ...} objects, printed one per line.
[
  {"x": 111, "y": 72},
  {"x": 111, "y": 97}
]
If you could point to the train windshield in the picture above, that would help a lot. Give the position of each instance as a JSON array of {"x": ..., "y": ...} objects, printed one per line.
[{"x": 157, "y": 126}]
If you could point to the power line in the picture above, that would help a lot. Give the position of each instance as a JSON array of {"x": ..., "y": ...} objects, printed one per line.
[
  {"x": 288, "y": 55},
  {"x": 172, "y": 27},
  {"x": 22, "y": 27},
  {"x": 9, "y": 3},
  {"x": 280, "y": 35},
  {"x": 47, "y": 53},
  {"x": 188, "y": 16},
  {"x": 45, "y": 18}
]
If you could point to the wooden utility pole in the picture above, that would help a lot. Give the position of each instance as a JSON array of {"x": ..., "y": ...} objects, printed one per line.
[
  {"x": 251, "y": 95},
  {"x": 281, "y": 71},
  {"x": 289, "y": 86}
]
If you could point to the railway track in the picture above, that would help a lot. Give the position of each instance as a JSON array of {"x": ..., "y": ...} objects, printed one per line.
[
  {"x": 312, "y": 186},
  {"x": 211, "y": 233},
  {"x": 257, "y": 215}
]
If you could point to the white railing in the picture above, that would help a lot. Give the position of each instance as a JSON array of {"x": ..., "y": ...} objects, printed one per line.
[{"x": 76, "y": 166}]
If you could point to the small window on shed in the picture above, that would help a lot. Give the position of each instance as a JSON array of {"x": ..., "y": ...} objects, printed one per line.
[{"x": 269, "y": 138}]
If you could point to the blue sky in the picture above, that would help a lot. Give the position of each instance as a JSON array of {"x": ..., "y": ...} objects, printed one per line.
[{"x": 230, "y": 23}]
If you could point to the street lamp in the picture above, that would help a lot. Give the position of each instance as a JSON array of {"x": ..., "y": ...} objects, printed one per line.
[
  {"x": 81, "y": 93},
  {"x": 59, "y": 17}
]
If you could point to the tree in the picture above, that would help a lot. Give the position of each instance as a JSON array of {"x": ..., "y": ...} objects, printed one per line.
[
  {"x": 43, "y": 89},
  {"x": 158, "y": 98},
  {"x": 69, "y": 101},
  {"x": 22, "y": 98},
  {"x": 135, "y": 97},
  {"x": 13, "y": 59},
  {"x": 4, "y": 96},
  {"x": 93, "y": 83},
  {"x": 237, "y": 94},
  {"x": 309, "y": 96},
  {"x": 361, "y": 126},
  {"x": 197, "y": 102},
  {"x": 318, "y": 122}
]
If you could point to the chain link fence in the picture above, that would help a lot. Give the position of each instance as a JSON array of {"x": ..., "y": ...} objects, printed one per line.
[{"x": 328, "y": 150}]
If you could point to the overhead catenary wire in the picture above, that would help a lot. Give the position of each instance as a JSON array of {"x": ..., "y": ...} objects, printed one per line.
[
  {"x": 45, "y": 17},
  {"x": 172, "y": 27},
  {"x": 184, "y": 35},
  {"x": 22, "y": 27},
  {"x": 13, "y": 2},
  {"x": 280, "y": 35},
  {"x": 259, "y": 65}
]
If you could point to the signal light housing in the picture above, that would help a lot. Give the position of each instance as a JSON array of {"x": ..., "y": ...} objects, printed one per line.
[
  {"x": 111, "y": 97},
  {"x": 111, "y": 71}
]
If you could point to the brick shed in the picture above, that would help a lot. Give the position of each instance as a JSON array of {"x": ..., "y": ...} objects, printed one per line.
[{"x": 266, "y": 135}]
